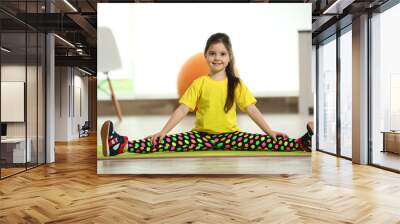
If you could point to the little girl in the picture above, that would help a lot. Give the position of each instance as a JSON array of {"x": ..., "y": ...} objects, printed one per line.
[{"x": 214, "y": 98}]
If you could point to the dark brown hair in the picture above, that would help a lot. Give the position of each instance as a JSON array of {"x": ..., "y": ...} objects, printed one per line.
[{"x": 233, "y": 80}]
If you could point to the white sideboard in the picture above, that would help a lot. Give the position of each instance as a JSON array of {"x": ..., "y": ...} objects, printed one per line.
[{"x": 18, "y": 149}]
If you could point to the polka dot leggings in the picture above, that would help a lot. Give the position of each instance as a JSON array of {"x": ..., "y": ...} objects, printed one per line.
[{"x": 200, "y": 141}]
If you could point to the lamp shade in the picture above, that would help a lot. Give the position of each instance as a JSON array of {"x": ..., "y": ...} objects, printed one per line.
[{"x": 108, "y": 58}]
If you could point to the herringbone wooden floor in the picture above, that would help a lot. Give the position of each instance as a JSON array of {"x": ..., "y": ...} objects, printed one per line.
[{"x": 70, "y": 191}]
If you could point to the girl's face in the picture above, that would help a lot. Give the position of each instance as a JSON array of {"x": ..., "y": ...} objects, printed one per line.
[{"x": 217, "y": 57}]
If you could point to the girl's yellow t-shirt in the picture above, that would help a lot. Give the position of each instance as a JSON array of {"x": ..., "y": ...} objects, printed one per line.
[{"x": 207, "y": 97}]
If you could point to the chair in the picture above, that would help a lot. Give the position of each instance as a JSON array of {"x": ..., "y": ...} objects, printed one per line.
[{"x": 84, "y": 130}]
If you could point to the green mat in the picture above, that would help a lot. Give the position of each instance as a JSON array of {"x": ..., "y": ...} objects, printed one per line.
[{"x": 218, "y": 153}]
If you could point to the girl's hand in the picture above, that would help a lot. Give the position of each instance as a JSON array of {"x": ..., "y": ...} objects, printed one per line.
[
  {"x": 274, "y": 134},
  {"x": 157, "y": 137}
]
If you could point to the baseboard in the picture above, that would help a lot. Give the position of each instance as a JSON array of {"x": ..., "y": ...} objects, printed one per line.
[{"x": 167, "y": 106}]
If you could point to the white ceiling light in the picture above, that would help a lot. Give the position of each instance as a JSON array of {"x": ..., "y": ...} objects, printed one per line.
[
  {"x": 338, "y": 6},
  {"x": 86, "y": 72},
  {"x": 5, "y": 49},
  {"x": 64, "y": 40},
  {"x": 70, "y": 5}
]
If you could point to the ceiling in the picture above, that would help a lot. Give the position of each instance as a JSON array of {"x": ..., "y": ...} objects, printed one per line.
[{"x": 76, "y": 20}]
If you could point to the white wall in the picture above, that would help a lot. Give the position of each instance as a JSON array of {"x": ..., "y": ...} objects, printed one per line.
[
  {"x": 81, "y": 84},
  {"x": 69, "y": 82},
  {"x": 306, "y": 99},
  {"x": 264, "y": 40},
  {"x": 61, "y": 103}
]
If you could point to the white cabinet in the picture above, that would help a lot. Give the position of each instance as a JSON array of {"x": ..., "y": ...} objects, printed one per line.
[{"x": 16, "y": 146}]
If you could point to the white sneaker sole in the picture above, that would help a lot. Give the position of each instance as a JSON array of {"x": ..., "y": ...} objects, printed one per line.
[{"x": 104, "y": 138}]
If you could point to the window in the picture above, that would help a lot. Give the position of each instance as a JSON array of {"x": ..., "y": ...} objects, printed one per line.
[
  {"x": 385, "y": 88},
  {"x": 327, "y": 96},
  {"x": 346, "y": 93}
]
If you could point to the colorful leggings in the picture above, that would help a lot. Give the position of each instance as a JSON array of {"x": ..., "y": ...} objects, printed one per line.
[{"x": 200, "y": 141}]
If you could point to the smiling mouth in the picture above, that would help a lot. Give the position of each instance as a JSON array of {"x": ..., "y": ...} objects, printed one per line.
[{"x": 217, "y": 63}]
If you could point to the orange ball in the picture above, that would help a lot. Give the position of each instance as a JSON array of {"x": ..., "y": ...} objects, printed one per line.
[{"x": 193, "y": 68}]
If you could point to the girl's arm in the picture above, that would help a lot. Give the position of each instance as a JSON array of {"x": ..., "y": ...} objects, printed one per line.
[
  {"x": 175, "y": 118},
  {"x": 258, "y": 118}
]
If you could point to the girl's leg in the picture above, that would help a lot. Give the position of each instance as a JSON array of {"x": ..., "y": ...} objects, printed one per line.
[
  {"x": 114, "y": 144},
  {"x": 243, "y": 141},
  {"x": 181, "y": 142}
]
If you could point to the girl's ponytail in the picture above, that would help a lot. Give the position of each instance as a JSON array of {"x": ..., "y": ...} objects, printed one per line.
[{"x": 233, "y": 81}]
